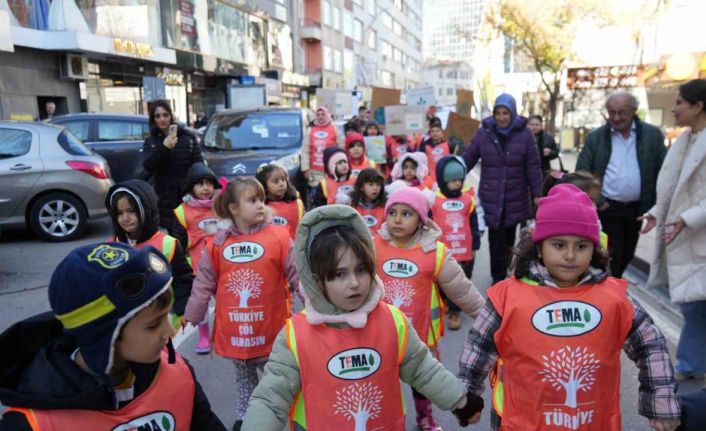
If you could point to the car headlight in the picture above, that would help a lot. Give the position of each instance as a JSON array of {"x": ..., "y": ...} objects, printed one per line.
[{"x": 290, "y": 161}]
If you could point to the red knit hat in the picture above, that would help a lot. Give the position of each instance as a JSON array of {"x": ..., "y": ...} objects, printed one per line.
[
  {"x": 354, "y": 137},
  {"x": 566, "y": 211}
]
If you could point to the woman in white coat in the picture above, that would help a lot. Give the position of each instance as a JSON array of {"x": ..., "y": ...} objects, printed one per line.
[{"x": 680, "y": 218}]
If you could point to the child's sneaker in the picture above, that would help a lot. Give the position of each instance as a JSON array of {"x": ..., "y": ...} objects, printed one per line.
[
  {"x": 425, "y": 421},
  {"x": 204, "y": 345},
  {"x": 454, "y": 320}
]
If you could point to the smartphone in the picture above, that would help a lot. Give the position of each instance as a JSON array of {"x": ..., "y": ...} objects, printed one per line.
[{"x": 173, "y": 130}]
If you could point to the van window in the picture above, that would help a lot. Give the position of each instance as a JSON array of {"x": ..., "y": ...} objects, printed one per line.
[
  {"x": 121, "y": 131},
  {"x": 79, "y": 128},
  {"x": 257, "y": 130},
  {"x": 14, "y": 143}
]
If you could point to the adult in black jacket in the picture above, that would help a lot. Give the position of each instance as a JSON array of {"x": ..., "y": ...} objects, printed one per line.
[
  {"x": 168, "y": 158},
  {"x": 546, "y": 145}
]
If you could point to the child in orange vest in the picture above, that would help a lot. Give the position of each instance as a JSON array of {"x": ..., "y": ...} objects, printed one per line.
[
  {"x": 368, "y": 198},
  {"x": 355, "y": 148},
  {"x": 435, "y": 146},
  {"x": 338, "y": 364},
  {"x": 193, "y": 220},
  {"x": 415, "y": 266},
  {"x": 551, "y": 335},
  {"x": 281, "y": 197},
  {"x": 132, "y": 206},
  {"x": 339, "y": 178},
  {"x": 454, "y": 210},
  {"x": 412, "y": 170},
  {"x": 395, "y": 147},
  {"x": 249, "y": 268},
  {"x": 102, "y": 358}
]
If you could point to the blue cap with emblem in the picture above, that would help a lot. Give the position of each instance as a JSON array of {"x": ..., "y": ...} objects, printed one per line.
[{"x": 97, "y": 288}]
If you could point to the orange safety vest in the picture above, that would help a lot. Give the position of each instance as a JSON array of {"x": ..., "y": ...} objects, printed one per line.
[
  {"x": 453, "y": 217},
  {"x": 151, "y": 410},
  {"x": 349, "y": 374},
  {"x": 331, "y": 188},
  {"x": 195, "y": 221},
  {"x": 434, "y": 154},
  {"x": 162, "y": 242},
  {"x": 320, "y": 138},
  {"x": 559, "y": 354},
  {"x": 252, "y": 298},
  {"x": 288, "y": 214},
  {"x": 409, "y": 276},
  {"x": 373, "y": 218},
  {"x": 357, "y": 167}
]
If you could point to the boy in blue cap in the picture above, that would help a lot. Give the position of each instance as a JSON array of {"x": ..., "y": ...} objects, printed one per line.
[{"x": 102, "y": 359}]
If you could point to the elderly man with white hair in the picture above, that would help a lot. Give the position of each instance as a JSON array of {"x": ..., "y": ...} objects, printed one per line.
[{"x": 626, "y": 154}]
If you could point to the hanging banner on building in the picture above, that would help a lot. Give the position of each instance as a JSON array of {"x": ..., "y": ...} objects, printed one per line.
[
  {"x": 587, "y": 78},
  {"x": 464, "y": 102},
  {"x": 460, "y": 129},
  {"x": 383, "y": 97},
  {"x": 375, "y": 149},
  {"x": 402, "y": 119},
  {"x": 425, "y": 96}
]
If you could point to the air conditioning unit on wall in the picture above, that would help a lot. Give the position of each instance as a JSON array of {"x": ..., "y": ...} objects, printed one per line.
[{"x": 74, "y": 67}]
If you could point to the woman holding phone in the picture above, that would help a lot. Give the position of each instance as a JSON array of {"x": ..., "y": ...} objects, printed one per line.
[{"x": 169, "y": 152}]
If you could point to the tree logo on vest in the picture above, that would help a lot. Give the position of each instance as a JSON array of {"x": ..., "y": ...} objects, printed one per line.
[
  {"x": 571, "y": 370},
  {"x": 158, "y": 421},
  {"x": 399, "y": 293},
  {"x": 453, "y": 205},
  {"x": 359, "y": 402},
  {"x": 400, "y": 268},
  {"x": 566, "y": 318},
  {"x": 280, "y": 221},
  {"x": 243, "y": 252},
  {"x": 245, "y": 284},
  {"x": 345, "y": 189},
  {"x": 455, "y": 221},
  {"x": 206, "y": 224},
  {"x": 321, "y": 134},
  {"x": 354, "y": 364},
  {"x": 370, "y": 221}
]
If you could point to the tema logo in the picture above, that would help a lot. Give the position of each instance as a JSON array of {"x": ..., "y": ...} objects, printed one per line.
[
  {"x": 400, "y": 268},
  {"x": 243, "y": 252},
  {"x": 281, "y": 221},
  {"x": 370, "y": 221},
  {"x": 345, "y": 189},
  {"x": 437, "y": 151},
  {"x": 354, "y": 364},
  {"x": 321, "y": 134},
  {"x": 203, "y": 224},
  {"x": 452, "y": 205},
  {"x": 566, "y": 318},
  {"x": 159, "y": 421}
]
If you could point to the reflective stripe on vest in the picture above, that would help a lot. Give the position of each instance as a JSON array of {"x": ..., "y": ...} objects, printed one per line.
[
  {"x": 287, "y": 214},
  {"x": 180, "y": 216},
  {"x": 173, "y": 412},
  {"x": 297, "y": 414},
  {"x": 604, "y": 240},
  {"x": 162, "y": 242},
  {"x": 566, "y": 370}
]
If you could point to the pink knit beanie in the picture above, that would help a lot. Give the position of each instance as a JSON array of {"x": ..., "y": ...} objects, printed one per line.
[
  {"x": 413, "y": 198},
  {"x": 566, "y": 211}
]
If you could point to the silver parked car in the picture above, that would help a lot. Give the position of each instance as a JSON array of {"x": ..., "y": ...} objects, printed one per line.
[{"x": 49, "y": 181}]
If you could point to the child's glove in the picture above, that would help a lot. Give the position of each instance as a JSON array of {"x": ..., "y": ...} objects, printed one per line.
[{"x": 474, "y": 404}]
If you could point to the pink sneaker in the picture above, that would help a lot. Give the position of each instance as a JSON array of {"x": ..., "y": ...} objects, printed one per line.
[{"x": 204, "y": 345}]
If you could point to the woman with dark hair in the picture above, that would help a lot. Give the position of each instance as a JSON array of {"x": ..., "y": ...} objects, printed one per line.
[
  {"x": 546, "y": 145},
  {"x": 168, "y": 157},
  {"x": 680, "y": 217}
]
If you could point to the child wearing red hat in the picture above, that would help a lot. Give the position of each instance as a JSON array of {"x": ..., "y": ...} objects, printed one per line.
[
  {"x": 355, "y": 148},
  {"x": 551, "y": 335}
]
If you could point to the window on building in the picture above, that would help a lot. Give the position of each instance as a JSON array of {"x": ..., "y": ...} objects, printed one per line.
[
  {"x": 370, "y": 6},
  {"x": 337, "y": 60},
  {"x": 386, "y": 20},
  {"x": 397, "y": 28},
  {"x": 449, "y": 91},
  {"x": 449, "y": 74},
  {"x": 441, "y": 74},
  {"x": 372, "y": 39},
  {"x": 328, "y": 58},
  {"x": 441, "y": 91},
  {"x": 387, "y": 78},
  {"x": 348, "y": 25},
  {"x": 396, "y": 55},
  {"x": 358, "y": 30},
  {"x": 326, "y": 12},
  {"x": 386, "y": 49},
  {"x": 337, "y": 18}
]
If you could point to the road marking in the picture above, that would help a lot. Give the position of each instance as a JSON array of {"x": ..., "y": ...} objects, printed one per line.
[{"x": 187, "y": 330}]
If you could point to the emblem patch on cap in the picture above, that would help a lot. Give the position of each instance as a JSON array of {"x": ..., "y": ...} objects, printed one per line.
[
  {"x": 108, "y": 256},
  {"x": 157, "y": 264}
]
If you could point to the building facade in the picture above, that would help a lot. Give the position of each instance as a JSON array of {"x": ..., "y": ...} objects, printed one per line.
[
  {"x": 450, "y": 27},
  {"x": 446, "y": 77}
]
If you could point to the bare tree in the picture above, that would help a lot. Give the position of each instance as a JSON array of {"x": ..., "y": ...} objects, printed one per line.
[
  {"x": 246, "y": 284},
  {"x": 399, "y": 293},
  {"x": 360, "y": 402},
  {"x": 572, "y": 370}
]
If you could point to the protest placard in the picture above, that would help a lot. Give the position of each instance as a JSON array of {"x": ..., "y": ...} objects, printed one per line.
[
  {"x": 383, "y": 97},
  {"x": 375, "y": 149},
  {"x": 425, "y": 96},
  {"x": 460, "y": 128},
  {"x": 464, "y": 102},
  {"x": 402, "y": 119}
]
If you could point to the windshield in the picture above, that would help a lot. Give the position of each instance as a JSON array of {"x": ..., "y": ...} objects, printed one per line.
[{"x": 254, "y": 131}]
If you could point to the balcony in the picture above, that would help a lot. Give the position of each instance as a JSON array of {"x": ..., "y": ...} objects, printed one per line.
[
  {"x": 310, "y": 29},
  {"x": 315, "y": 76}
]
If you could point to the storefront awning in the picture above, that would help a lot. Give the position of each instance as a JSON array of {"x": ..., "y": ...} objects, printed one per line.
[{"x": 86, "y": 42}]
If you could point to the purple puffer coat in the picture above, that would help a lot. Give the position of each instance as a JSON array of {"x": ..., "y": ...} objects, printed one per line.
[{"x": 509, "y": 173}]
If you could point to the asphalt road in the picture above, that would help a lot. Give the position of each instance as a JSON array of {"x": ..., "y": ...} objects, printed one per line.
[{"x": 26, "y": 265}]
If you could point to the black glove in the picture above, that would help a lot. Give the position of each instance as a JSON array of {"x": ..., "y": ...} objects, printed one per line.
[{"x": 474, "y": 404}]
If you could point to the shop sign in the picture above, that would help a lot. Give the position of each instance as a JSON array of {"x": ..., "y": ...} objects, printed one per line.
[
  {"x": 188, "y": 27},
  {"x": 587, "y": 78},
  {"x": 172, "y": 78},
  {"x": 132, "y": 48},
  {"x": 297, "y": 79}
]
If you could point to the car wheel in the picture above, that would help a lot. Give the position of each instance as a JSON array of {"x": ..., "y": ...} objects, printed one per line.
[{"x": 58, "y": 217}]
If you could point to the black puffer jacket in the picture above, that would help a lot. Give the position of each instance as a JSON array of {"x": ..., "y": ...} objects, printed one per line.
[
  {"x": 37, "y": 372},
  {"x": 147, "y": 202},
  {"x": 169, "y": 168}
]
